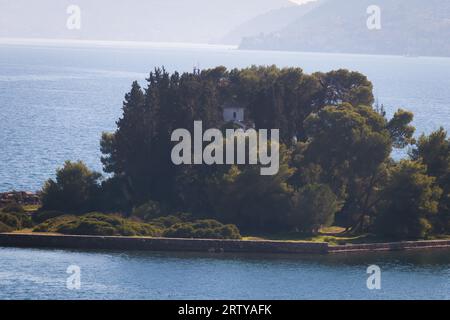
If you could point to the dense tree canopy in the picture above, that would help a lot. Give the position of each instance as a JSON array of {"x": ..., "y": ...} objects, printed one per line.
[
  {"x": 434, "y": 152},
  {"x": 409, "y": 202},
  {"x": 76, "y": 189},
  {"x": 335, "y": 156},
  {"x": 314, "y": 207}
]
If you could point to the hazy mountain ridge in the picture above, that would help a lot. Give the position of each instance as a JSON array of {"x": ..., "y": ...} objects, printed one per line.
[
  {"x": 131, "y": 20},
  {"x": 409, "y": 27},
  {"x": 268, "y": 22}
]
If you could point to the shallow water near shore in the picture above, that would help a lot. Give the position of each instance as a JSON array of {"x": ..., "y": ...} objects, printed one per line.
[{"x": 41, "y": 274}]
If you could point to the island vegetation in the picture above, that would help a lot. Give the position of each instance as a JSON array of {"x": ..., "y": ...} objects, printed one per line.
[{"x": 336, "y": 166}]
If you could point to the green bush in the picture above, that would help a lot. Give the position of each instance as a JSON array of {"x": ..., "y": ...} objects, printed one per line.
[
  {"x": 76, "y": 189},
  {"x": 207, "y": 224},
  {"x": 98, "y": 224},
  {"x": 42, "y": 216},
  {"x": 10, "y": 220},
  {"x": 13, "y": 208},
  {"x": 175, "y": 226},
  {"x": 52, "y": 224},
  {"x": 87, "y": 227},
  {"x": 147, "y": 211},
  {"x": 168, "y": 221},
  {"x": 25, "y": 220},
  {"x": 16, "y": 221},
  {"x": 409, "y": 203},
  {"x": 203, "y": 229},
  {"x": 5, "y": 228},
  {"x": 315, "y": 206}
]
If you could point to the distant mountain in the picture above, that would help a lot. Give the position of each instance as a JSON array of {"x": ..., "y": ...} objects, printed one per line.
[
  {"x": 408, "y": 27},
  {"x": 268, "y": 22},
  {"x": 131, "y": 20}
]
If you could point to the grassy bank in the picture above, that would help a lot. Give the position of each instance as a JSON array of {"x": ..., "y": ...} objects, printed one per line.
[{"x": 333, "y": 236}]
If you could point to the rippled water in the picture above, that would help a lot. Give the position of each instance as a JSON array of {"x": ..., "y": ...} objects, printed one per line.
[
  {"x": 41, "y": 274},
  {"x": 56, "y": 101}
]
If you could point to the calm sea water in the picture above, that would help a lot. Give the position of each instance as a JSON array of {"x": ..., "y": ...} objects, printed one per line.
[
  {"x": 41, "y": 274},
  {"x": 56, "y": 101}
]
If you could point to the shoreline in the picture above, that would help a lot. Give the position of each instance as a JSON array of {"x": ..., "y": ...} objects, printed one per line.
[
  {"x": 206, "y": 245},
  {"x": 90, "y": 43}
]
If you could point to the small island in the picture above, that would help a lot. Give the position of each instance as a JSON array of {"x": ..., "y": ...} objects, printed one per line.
[{"x": 337, "y": 182}]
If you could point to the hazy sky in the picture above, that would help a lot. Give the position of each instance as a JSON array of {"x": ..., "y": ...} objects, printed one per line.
[{"x": 131, "y": 20}]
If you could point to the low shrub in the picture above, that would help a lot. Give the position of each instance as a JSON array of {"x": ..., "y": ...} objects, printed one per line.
[
  {"x": 16, "y": 221},
  {"x": 203, "y": 229},
  {"x": 5, "y": 228},
  {"x": 13, "y": 207},
  {"x": 98, "y": 224},
  {"x": 168, "y": 221},
  {"x": 52, "y": 224},
  {"x": 10, "y": 220},
  {"x": 176, "y": 226},
  {"x": 42, "y": 216},
  {"x": 148, "y": 211},
  {"x": 87, "y": 227}
]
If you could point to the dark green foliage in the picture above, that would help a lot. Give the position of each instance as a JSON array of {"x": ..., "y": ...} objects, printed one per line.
[
  {"x": 409, "y": 202},
  {"x": 345, "y": 144},
  {"x": 13, "y": 208},
  {"x": 115, "y": 225},
  {"x": 25, "y": 220},
  {"x": 335, "y": 162},
  {"x": 168, "y": 221},
  {"x": 434, "y": 152},
  {"x": 348, "y": 150},
  {"x": 204, "y": 229},
  {"x": 400, "y": 128},
  {"x": 42, "y": 216},
  {"x": 10, "y": 220},
  {"x": 16, "y": 221},
  {"x": 52, "y": 225},
  {"x": 343, "y": 86},
  {"x": 5, "y": 228},
  {"x": 14, "y": 217},
  {"x": 148, "y": 211},
  {"x": 138, "y": 153},
  {"x": 314, "y": 207},
  {"x": 139, "y": 150},
  {"x": 113, "y": 196},
  {"x": 98, "y": 224},
  {"x": 253, "y": 202},
  {"x": 75, "y": 190}
]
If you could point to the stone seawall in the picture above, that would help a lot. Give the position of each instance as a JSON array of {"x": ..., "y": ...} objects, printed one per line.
[
  {"x": 204, "y": 245},
  {"x": 159, "y": 244},
  {"x": 392, "y": 246}
]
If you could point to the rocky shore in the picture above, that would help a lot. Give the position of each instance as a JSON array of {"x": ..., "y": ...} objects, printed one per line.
[{"x": 19, "y": 197}]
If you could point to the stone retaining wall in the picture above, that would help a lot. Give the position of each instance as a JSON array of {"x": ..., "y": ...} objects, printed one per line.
[
  {"x": 204, "y": 245},
  {"x": 393, "y": 246},
  {"x": 159, "y": 244}
]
